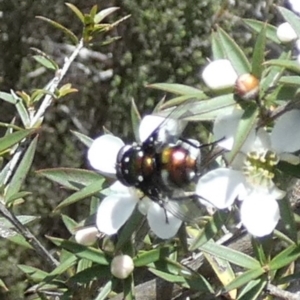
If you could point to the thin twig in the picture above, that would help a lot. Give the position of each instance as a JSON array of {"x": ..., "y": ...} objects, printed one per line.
[
  {"x": 285, "y": 295},
  {"x": 30, "y": 238}
]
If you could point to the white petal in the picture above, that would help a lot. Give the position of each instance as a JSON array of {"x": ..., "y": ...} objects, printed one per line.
[
  {"x": 158, "y": 223},
  {"x": 119, "y": 188},
  {"x": 225, "y": 128},
  {"x": 295, "y": 5},
  {"x": 103, "y": 153},
  {"x": 113, "y": 212},
  {"x": 285, "y": 136},
  {"x": 220, "y": 187},
  {"x": 219, "y": 74},
  {"x": 193, "y": 148},
  {"x": 144, "y": 205},
  {"x": 260, "y": 214},
  {"x": 286, "y": 33},
  {"x": 150, "y": 123}
]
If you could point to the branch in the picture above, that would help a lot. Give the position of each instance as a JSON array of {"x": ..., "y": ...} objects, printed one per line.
[
  {"x": 30, "y": 238},
  {"x": 277, "y": 292}
]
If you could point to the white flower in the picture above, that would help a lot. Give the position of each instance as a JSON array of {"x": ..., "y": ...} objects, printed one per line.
[
  {"x": 219, "y": 74},
  {"x": 121, "y": 266},
  {"x": 250, "y": 179},
  {"x": 87, "y": 236},
  {"x": 286, "y": 33},
  {"x": 295, "y": 5},
  {"x": 116, "y": 208}
]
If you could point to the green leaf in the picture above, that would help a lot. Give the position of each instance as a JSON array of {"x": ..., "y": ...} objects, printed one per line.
[
  {"x": 18, "y": 239},
  {"x": 105, "y": 291},
  {"x": 289, "y": 65},
  {"x": 23, "y": 113},
  {"x": 167, "y": 276},
  {"x": 246, "y": 124},
  {"x": 22, "y": 170},
  {"x": 245, "y": 278},
  {"x": 17, "y": 196},
  {"x": 23, "y": 219},
  {"x": 257, "y": 26},
  {"x": 208, "y": 110},
  {"x": 285, "y": 257},
  {"x": 216, "y": 45},
  {"x": 253, "y": 289},
  {"x": 290, "y": 80},
  {"x": 3, "y": 286},
  {"x": 210, "y": 230},
  {"x": 86, "y": 192},
  {"x": 135, "y": 120},
  {"x": 259, "y": 54},
  {"x": 74, "y": 179},
  {"x": 233, "y": 256},
  {"x": 175, "y": 88},
  {"x": 65, "y": 30},
  {"x": 77, "y": 12},
  {"x": 35, "y": 274},
  {"x": 182, "y": 100},
  {"x": 95, "y": 255},
  {"x": 44, "y": 61},
  {"x": 144, "y": 258},
  {"x": 291, "y": 18},
  {"x": 234, "y": 53},
  {"x": 7, "y": 97},
  {"x": 69, "y": 223},
  {"x": 12, "y": 139},
  {"x": 90, "y": 274},
  {"x": 83, "y": 138},
  {"x": 104, "y": 13}
]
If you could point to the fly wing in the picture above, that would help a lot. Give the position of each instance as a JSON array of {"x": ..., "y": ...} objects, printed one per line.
[
  {"x": 164, "y": 128},
  {"x": 186, "y": 208}
]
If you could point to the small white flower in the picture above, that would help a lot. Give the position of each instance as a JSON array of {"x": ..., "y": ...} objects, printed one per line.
[
  {"x": 250, "y": 179},
  {"x": 115, "y": 209},
  {"x": 295, "y": 5},
  {"x": 286, "y": 33},
  {"x": 87, "y": 236},
  {"x": 219, "y": 74},
  {"x": 121, "y": 266}
]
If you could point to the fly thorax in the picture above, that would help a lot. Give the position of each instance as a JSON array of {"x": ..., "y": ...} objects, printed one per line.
[
  {"x": 259, "y": 167},
  {"x": 134, "y": 166}
]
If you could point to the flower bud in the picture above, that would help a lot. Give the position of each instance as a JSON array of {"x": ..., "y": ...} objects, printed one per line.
[
  {"x": 87, "y": 236},
  {"x": 121, "y": 266},
  {"x": 219, "y": 74},
  {"x": 247, "y": 86},
  {"x": 286, "y": 33}
]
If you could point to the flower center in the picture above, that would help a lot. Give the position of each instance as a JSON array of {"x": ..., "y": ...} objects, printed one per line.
[{"x": 259, "y": 167}]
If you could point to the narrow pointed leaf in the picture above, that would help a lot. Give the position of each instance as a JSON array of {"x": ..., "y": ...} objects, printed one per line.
[
  {"x": 182, "y": 99},
  {"x": 104, "y": 13},
  {"x": 65, "y": 30},
  {"x": 259, "y": 54},
  {"x": 246, "y": 124},
  {"x": 69, "y": 223},
  {"x": 216, "y": 45},
  {"x": 44, "y": 61},
  {"x": 83, "y": 138},
  {"x": 233, "y": 256},
  {"x": 285, "y": 257},
  {"x": 253, "y": 289},
  {"x": 95, "y": 255},
  {"x": 289, "y": 65},
  {"x": 86, "y": 192},
  {"x": 34, "y": 273},
  {"x": 135, "y": 120},
  {"x": 244, "y": 279},
  {"x": 258, "y": 25},
  {"x": 290, "y": 80},
  {"x": 74, "y": 179},
  {"x": 210, "y": 230},
  {"x": 90, "y": 274},
  {"x": 76, "y": 11},
  {"x": 234, "y": 53},
  {"x": 175, "y": 88},
  {"x": 105, "y": 291},
  {"x": 7, "y": 97},
  {"x": 22, "y": 170},
  {"x": 23, "y": 113},
  {"x": 10, "y": 140}
]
